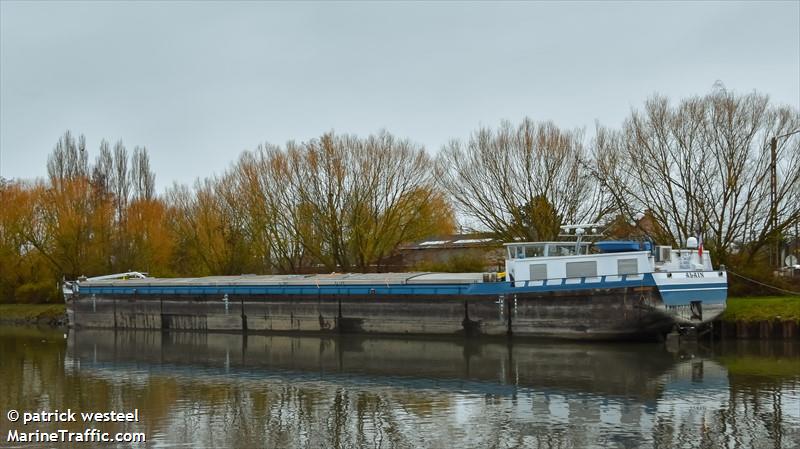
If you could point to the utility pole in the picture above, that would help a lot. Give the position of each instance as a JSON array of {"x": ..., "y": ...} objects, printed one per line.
[
  {"x": 773, "y": 201},
  {"x": 796, "y": 240},
  {"x": 773, "y": 194}
]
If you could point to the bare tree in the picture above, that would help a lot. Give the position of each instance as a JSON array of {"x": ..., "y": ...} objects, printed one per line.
[
  {"x": 120, "y": 180},
  {"x": 102, "y": 170},
  {"x": 143, "y": 180},
  {"x": 703, "y": 166},
  {"x": 68, "y": 160},
  {"x": 523, "y": 181}
]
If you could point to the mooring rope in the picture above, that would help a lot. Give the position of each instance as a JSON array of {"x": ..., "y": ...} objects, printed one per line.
[{"x": 761, "y": 283}]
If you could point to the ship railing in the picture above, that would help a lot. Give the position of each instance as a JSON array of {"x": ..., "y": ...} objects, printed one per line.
[{"x": 581, "y": 280}]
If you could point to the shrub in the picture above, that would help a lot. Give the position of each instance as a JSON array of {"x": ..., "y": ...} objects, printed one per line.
[{"x": 37, "y": 293}]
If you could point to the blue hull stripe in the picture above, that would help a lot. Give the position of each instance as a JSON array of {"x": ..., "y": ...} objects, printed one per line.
[
  {"x": 706, "y": 286},
  {"x": 282, "y": 290},
  {"x": 489, "y": 288},
  {"x": 674, "y": 294}
]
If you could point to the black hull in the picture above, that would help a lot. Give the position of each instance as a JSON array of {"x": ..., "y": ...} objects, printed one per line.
[{"x": 601, "y": 314}]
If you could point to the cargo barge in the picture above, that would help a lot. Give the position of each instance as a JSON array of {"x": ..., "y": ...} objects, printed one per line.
[{"x": 573, "y": 290}]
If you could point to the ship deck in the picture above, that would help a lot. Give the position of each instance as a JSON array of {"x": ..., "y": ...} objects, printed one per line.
[{"x": 343, "y": 279}]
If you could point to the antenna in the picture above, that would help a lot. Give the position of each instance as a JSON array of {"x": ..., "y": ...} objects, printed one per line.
[
  {"x": 580, "y": 230},
  {"x": 580, "y": 233}
]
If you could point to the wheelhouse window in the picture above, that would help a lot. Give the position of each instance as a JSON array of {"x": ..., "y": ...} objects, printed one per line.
[
  {"x": 548, "y": 249},
  {"x": 525, "y": 251},
  {"x": 563, "y": 250},
  {"x": 534, "y": 250}
]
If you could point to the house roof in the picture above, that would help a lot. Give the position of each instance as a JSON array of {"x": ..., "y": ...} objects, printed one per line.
[{"x": 454, "y": 241}]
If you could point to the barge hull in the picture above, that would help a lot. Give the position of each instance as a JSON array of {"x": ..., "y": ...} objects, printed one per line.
[{"x": 601, "y": 314}]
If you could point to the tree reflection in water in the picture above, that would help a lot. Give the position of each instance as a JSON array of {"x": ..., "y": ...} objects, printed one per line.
[{"x": 214, "y": 390}]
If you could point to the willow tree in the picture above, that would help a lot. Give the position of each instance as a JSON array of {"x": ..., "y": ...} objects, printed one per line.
[
  {"x": 269, "y": 203},
  {"x": 380, "y": 193},
  {"x": 338, "y": 202},
  {"x": 703, "y": 165},
  {"x": 26, "y": 275},
  {"x": 360, "y": 198},
  {"x": 60, "y": 227},
  {"x": 79, "y": 216},
  {"x": 324, "y": 175},
  {"x": 522, "y": 181},
  {"x": 207, "y": 233},
  {"x": 395, "y": 199}
]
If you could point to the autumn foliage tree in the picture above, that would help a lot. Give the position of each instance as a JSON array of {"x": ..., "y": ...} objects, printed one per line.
[
  {"x": 336, "y": 203},
  {"x": 75, "y": 223},
  {"x": 25, "y": 275},
  {"x": 362, "y": 198},
  {"x": 342, "y": 202},
  {"x": 209, "y": 238},
  {"x": 330, "y": 204}
]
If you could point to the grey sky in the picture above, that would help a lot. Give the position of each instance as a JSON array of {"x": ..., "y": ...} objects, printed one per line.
[{"x": 199, "y": 82}]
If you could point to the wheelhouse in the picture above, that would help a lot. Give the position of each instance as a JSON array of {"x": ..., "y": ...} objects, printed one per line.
[
  {"x": 529, "y": 250},
  {"x": 554, "y": 261}
]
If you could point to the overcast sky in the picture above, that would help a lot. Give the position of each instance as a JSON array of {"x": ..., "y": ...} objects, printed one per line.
[{"x": 199, "y": 82}]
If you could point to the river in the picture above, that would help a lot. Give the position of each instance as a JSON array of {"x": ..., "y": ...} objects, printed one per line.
[{"x": 195, "y": 390}]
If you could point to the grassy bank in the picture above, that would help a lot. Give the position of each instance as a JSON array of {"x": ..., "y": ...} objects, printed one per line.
[
  {"x": 760, "y": 308},
  {"x": 51, "y": 314}
]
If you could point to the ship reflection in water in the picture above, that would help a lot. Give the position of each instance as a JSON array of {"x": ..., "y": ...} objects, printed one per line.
[{"x": 215, "y": 390}]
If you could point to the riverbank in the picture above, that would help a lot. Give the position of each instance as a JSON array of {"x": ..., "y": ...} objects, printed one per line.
[
  {"x": 53, "y": 315},
  {"x": 762, "y": 308}
]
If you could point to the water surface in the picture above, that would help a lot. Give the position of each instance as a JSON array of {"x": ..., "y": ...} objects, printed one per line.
[{"x": 214, "y": 390}]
